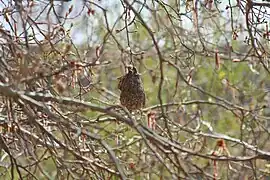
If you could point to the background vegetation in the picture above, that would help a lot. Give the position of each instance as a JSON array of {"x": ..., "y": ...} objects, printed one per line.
[{"x": 205, "y": 70}]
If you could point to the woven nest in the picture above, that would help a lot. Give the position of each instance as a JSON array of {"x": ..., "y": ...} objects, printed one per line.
[{"x": 132, "y": 93}]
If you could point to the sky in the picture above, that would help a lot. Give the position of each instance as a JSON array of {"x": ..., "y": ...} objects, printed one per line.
[{"x": 80, "y": 31}]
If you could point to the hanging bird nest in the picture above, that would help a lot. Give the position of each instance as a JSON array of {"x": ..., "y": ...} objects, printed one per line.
[{"x": 132, "y": 93}]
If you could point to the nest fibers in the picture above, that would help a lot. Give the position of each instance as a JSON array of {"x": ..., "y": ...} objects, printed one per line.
[{"x": 132, "y": 93}]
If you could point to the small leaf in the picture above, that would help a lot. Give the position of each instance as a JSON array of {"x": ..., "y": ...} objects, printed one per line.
[{"x": 217, "y": 58}]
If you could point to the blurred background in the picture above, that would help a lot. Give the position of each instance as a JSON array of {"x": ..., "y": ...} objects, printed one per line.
[{"x": 204, "y": 65}]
